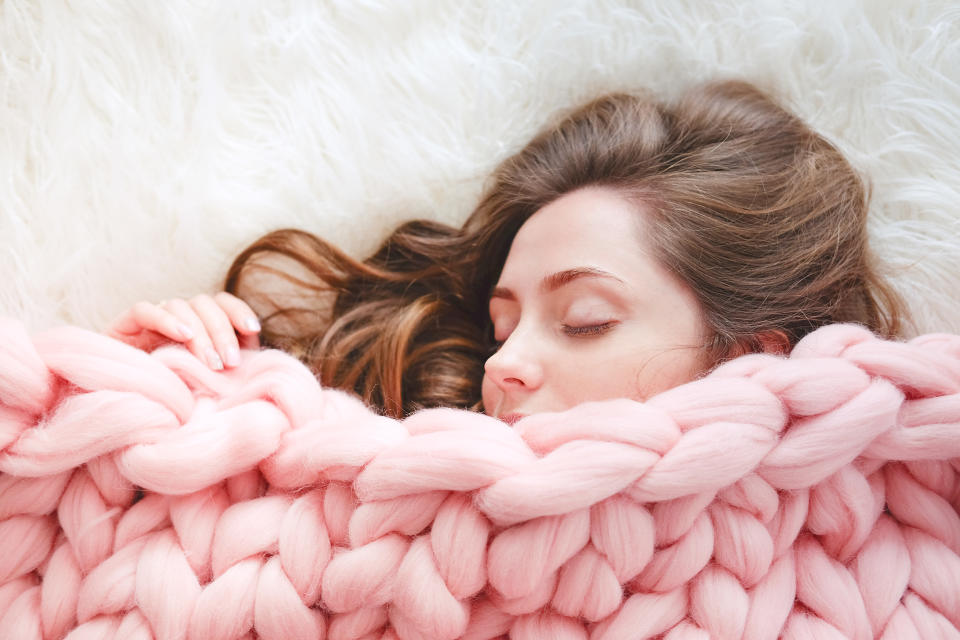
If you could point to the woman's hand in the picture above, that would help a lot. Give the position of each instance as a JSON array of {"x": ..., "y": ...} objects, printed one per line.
[{"x": 213, "y": 328}]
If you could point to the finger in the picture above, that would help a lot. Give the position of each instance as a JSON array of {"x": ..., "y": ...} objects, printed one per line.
[
  {"x": 125, "y": 323},
  {"x": 145, "y": 339},
  {"x": 144, "y": 316},
  {"x": 201, "y": 345},
  {"x": 241, "y": 315},
  {"x": 217, "y": 324},
  {"x": 172, "y": 326},
  {"x": 250, "y": 342}
]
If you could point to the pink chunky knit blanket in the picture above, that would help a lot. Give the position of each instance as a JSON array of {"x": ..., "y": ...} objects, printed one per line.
[{"x": 146, "y": 496}]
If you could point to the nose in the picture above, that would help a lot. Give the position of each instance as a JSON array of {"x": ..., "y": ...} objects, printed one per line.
[{"x": 515, "y": 366}]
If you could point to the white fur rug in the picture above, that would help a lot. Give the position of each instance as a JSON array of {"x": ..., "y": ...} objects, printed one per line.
[{"x": 143, "y": 144}]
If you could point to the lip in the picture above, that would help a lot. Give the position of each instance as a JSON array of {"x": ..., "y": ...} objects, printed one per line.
[{"x": 512, "y": 418}]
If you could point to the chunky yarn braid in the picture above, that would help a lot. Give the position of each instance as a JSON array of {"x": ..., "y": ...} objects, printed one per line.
[{"x": 146, "y": 496}]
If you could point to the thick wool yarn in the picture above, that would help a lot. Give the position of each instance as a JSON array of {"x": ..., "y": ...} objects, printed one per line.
[{"x": 809, "y": 496}]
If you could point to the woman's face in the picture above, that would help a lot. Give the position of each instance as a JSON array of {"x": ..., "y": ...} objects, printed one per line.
[{"x": 583, "y": 312}]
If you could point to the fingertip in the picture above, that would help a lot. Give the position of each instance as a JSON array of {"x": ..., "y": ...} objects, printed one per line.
[
  {"x": 185, "y": 332},
  {"x": 251, "y": 324},
  {"x": 213, "y": 359},
  {"x": 232, "y": 357}
]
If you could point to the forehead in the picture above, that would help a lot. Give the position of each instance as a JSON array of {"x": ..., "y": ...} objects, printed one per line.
[{"x": 593, "y": 227}]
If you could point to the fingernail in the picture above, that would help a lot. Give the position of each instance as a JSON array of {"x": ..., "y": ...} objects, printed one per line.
[
  {"x": 252, "y": 324},
  {"x": 185, "y": 332},
  {"x": 214, "y": 360},
  {"x": 233, "y": 357}
]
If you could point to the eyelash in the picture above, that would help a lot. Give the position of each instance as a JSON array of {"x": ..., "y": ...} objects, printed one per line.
[
  {"x": 591, "y": 330},
  {"x": 573, "y": 332}
]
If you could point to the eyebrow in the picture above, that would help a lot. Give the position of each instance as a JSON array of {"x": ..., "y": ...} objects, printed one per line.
[{"x": 556, "y": 280}]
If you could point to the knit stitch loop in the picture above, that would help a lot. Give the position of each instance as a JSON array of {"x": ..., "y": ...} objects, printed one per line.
[{"x": 146, "y": 496}]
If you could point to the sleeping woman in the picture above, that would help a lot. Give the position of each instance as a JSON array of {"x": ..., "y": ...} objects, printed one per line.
[{"x": 630, "y": 247}]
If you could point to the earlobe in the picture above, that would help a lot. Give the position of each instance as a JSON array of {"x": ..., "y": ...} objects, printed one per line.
[{"x": 775, "y": 342}]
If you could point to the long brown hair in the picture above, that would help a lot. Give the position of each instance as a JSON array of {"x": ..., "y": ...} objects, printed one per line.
[{"x": 760, "y": 216}]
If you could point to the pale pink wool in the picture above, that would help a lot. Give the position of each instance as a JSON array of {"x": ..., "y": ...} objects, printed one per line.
[{"x": 814, "y": 496}]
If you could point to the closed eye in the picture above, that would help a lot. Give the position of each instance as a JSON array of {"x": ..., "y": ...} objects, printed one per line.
[
  {"x": 589, "y": 330},
  {"x": 572, "y": 331}
]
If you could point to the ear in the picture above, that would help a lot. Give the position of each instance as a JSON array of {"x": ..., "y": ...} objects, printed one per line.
[{"x": 775, "y": 342}]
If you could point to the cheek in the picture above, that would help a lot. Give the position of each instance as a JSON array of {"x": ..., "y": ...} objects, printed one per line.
[
  {"x": 602, "y": 374},
  {"x": 489, "y": 393},
  {"x": 664, "y": 371}
]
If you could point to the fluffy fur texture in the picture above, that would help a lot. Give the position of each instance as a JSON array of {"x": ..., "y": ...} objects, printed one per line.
[
  {"x": 814, "y": 496},
  {"x": 142, "y": 144}
]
